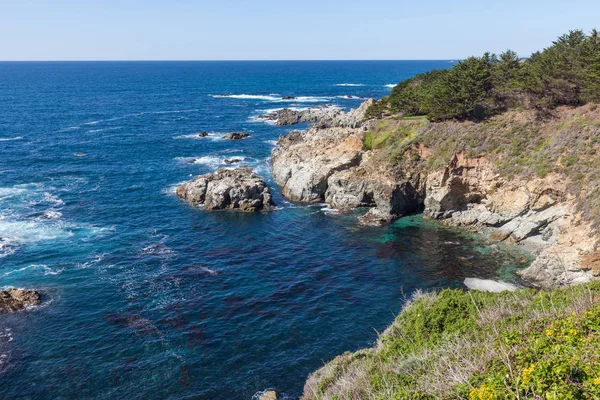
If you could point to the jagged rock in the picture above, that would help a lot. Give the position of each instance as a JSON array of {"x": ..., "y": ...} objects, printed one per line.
[
  {"x": 237, "y": 189},
  {"x": 236, "y": 135},
  {"x": 324, "y": 116},
  {"x": 287, "y": 117},
  {"x": 303, "y": 161},
  {"x": 268, "y": 395},
  {"x": 231, "y": 161},
  {"x": 12, "y": 300},
  {"x": 203, "y": 134}
]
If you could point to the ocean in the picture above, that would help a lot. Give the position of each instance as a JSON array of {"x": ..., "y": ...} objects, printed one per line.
[{"x": 147, "y": 297}]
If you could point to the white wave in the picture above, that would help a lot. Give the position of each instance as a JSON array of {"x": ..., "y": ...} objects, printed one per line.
[
  {"x": 215, "y": 162},
  {"x": 29, "y": 214},
  {"x": 257, "y": 118},
  {"x": 172, "y": 190},
  {"x": 158, "y": 249},
  {"x": 104, "y": 129},
  {"x": 95, "y": 260},
  {"x": 271, "y": 142},
  {"x": 488, "y": 285},
  {"x": 32, "y": 231},
  {"x": 246, "y": 97},
  {"x": 42, "y": 268},
  {"x": 10, "y": 139},
  {"x": 309, "y": 99},
  {"x": 351, "y": 97},
  {"x": 391, "y": 85},
  {"x": 350, "y": 84},
  {"x": 52, "y": 199},
  {"x": 211, "y": 136},
  {"x": 92, "y": 122},
  {"x": 52, "y": 215},
  {"x": 209, "y": 271},
  {"x": 300, "y": 99},
  {"x": 70, "y": 128},
  {"x": 7, "y": 247}
]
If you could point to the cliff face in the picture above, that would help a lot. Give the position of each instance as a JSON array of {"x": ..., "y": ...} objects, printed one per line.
[
  {"x": 396, "y": 170},
  {"x": 540, "y": 214}
]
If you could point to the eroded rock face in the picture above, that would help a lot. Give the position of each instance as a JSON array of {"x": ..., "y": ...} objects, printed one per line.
[
  {"x": 304, "y": 161},
  {"x": 538, "y": 214},
  {"x": 330, "y": 165},
  {"x": 239, "y": 189},
  {"x": 12, "y": 300}
]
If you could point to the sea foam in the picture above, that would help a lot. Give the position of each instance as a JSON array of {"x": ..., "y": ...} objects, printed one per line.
[{"x": 274, "y": 99}]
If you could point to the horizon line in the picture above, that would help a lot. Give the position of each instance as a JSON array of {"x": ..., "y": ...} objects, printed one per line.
[{"x": 231, "y": 60}]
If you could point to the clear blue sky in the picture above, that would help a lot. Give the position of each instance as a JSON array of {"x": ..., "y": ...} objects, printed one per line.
[{"x": 279, "y": 29}]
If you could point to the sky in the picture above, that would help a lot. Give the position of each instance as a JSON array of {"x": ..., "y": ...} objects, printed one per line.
[{"x": 283, "y": 30}]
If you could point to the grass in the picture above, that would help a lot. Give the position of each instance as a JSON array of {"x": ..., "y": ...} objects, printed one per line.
[{"x": 474, "y": 345}]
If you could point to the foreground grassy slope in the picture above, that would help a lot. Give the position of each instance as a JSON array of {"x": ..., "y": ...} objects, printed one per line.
[{"x": 476, "y": 345}]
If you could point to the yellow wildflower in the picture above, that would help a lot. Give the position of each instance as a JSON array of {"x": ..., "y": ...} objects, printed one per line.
[
  {"x": 484, "y": 392},
  {"x": 527, "y": 374},
  {"x": 549, "y": 332},
  {"x": 597, "y": 381}
]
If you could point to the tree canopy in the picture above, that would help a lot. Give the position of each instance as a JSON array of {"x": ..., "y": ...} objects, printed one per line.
[{"x": 566, "y": 73}]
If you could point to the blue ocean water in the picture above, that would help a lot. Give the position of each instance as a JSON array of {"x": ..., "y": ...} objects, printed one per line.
[{"x": 146, "y": 297}]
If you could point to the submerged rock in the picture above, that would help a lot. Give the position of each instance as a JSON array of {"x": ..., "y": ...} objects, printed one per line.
[
  {"x": 236, "y": 135},
  {"x": 12, "y": 300},
  {"x": 239, "y": 189},
  {"x": 203, "y": 134}
]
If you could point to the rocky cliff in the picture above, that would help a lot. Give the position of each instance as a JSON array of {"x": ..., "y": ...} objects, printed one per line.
[{"x": 397, "y": 167}]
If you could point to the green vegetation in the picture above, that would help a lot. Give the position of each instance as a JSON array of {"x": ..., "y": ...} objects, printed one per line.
[
  {"x": 476, "y": 345},
  {"x": 566, "y": 73}
]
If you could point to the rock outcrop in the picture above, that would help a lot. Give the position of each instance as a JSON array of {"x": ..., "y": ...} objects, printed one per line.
[
  {"x": 236, "y": 135},
  {"x": 539, "y": 214},
  {"x": 326, "y": 116},
  {"x": 12, "y": 300},
  {"x": 304, "y": 161},
  {"x": 268, "y": 395},
  {"x": 331, "y": 165},
  {"x": 239, "y": 189}
]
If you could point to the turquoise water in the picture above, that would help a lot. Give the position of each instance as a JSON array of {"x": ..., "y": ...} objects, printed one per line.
[{"x": 146, "y": 297}]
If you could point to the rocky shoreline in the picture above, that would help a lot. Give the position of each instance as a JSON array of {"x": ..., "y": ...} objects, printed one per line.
[{"x": 331, "y": 164}]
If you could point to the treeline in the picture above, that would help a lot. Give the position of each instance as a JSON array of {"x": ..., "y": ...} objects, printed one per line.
[{"x": 566, "y": 73}]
